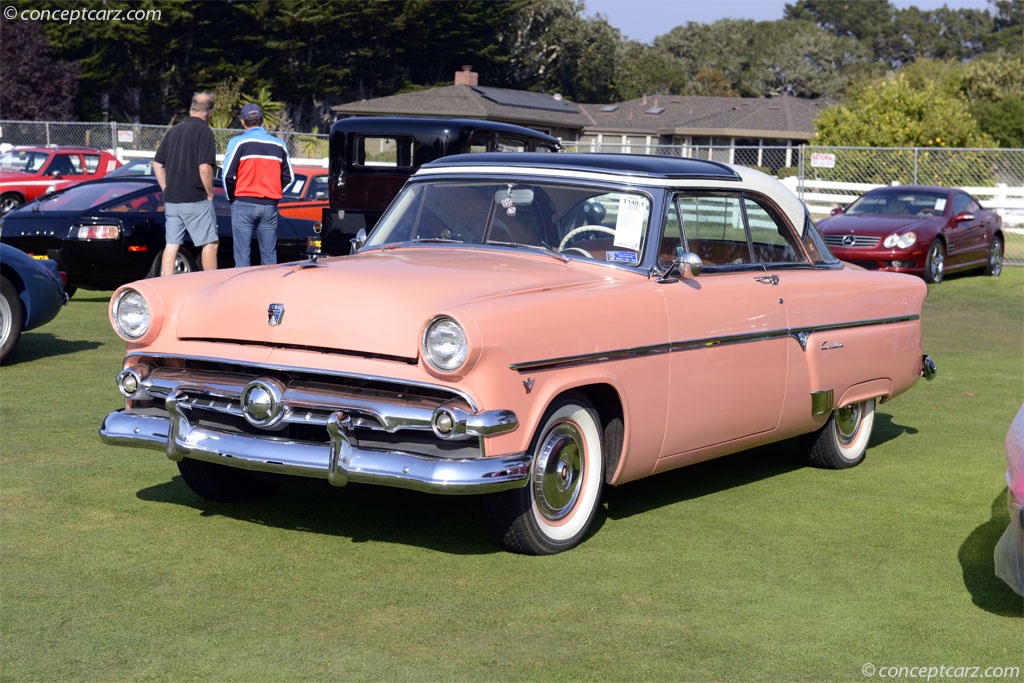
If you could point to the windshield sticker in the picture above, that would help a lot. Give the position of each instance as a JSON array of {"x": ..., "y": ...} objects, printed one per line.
[
  {"x": 620, "y": 256},
  {"x": 940, "y": 205},
  {"x": 629, "y": 225}
]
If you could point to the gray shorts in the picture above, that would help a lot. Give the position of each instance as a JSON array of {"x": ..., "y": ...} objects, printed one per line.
[{"x": 195, "y": 217}]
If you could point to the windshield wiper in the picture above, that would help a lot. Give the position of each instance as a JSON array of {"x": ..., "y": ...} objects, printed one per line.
[
  {"x": 536, "y": 247},
  {"x": 442, "y": 240}
]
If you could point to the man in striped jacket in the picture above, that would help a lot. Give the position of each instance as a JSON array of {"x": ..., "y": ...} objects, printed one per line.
[{"x": 256, "y": 171}]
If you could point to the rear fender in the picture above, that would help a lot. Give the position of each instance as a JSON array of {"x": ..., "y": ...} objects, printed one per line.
[{"x": 865, "y": 390}]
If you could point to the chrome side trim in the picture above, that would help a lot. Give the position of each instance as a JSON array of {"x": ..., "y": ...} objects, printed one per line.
[
  {"x": 822, "y": 402},
  {"x": 801, "y": 335}
]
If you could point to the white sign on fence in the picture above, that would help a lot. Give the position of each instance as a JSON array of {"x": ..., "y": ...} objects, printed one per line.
[
  {"x": 823, "y": 160},
  {"x": 125, "y": 136}
]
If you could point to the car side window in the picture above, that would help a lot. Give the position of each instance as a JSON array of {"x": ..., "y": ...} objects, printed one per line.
[
  {"x": 507, "y": 144},
  {"x": 92, "y": 163},
  {"x": 671, "y": 238},
  {"x": 726, "y": 230},
  {"x": 962, "y": 203},
  {"x": 65, "y": 164},
  {"x": 772, "y": 241},
  {"x": 714, "y": 229},
  {"x": 317, "y": 187}
]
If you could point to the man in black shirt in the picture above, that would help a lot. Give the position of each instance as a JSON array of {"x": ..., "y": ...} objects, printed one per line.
[{"x": 183, "y": 166}]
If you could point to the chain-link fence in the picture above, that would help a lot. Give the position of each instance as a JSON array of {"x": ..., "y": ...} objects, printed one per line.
[
  {"x": 134, "y": 140},
  {"x": 835, "y": 176},
  {"x": 827, "y": 177},
  {"x": 823, "y": 177}
]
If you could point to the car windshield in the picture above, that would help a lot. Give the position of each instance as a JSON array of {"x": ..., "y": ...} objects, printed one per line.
[
  {"x": 295, "y": 187},
  {"x": 89, "y": 195},
  {"x": 599, "y": 223},
  {"x": 139, "y": 167},
  {"x": 899, "y": 203},
  {"x": 305, "y": 185},
  {"x": 20, "y": 161}
]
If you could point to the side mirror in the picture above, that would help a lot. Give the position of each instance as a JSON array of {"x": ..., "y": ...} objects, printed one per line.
[
  {"x": 685, "y": 264},
  {"x": 836, "y": 210},
  {"x": 359, "y": 240},
  {"x": 964, "y": 216}
]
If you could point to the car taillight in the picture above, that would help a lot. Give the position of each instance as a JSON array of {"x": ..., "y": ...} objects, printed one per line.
[{"x": 97, "y": 232}]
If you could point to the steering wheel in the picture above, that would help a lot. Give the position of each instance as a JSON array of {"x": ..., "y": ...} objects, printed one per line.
[
  {"x": 583, "y": 228},
  {"x": 927, "y": 212},
  {"x": 578, "y": 250}
]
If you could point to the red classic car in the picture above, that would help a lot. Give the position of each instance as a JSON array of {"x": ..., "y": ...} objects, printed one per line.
[
  {"x": 926, "y": 231},
  {"x": 306, "y": 196},
  {"x": 533, "y": 327},
  {"x": 28, "y": 172}
]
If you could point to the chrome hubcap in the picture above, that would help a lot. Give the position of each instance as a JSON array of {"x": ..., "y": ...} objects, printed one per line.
[
  {"x": 5, "y": 320},
  {"x": 847, "y": 423},
  {"x": 995, "y": 259},
  {"x": 181, "y": 265},
  {"x": 558, "y": 474},
  {"x": 938, "y": 262}
]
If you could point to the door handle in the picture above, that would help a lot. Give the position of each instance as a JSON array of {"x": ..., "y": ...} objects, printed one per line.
[{"x": 768, "y": 279}]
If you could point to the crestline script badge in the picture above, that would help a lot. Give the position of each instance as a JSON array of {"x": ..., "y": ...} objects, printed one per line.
[{"x": 275, "y": 312}]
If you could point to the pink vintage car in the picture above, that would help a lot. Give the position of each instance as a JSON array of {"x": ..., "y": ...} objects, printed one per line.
[{"x": 533, "y": 327}]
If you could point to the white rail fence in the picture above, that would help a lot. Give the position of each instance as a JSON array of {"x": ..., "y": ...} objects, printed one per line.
[{"x": 822, "y": 196}]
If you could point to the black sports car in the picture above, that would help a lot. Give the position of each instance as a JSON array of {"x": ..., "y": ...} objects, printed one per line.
[{"x": 111, "y": 231}]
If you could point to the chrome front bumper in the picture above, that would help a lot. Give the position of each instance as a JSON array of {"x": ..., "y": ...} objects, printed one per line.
[{"x": 340, "y": 462}]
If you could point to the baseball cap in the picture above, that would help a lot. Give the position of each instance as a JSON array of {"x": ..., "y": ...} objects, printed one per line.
[{"x": 251, "y": 111}]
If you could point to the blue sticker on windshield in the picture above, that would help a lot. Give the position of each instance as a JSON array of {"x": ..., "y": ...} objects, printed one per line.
[{"x": 620, "y": 256}]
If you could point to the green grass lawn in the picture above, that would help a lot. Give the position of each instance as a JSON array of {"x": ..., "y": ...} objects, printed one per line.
[{"x": 748, "y": 568}]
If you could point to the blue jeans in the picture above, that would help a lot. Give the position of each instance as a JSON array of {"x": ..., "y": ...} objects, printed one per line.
[{"x": 262, "y": 218}]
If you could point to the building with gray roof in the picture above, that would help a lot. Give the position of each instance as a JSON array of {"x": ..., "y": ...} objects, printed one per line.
[{"x": 753, "y": 131}]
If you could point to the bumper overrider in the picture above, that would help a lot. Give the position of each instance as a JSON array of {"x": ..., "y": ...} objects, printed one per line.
[{"x": 196, "y": 414}]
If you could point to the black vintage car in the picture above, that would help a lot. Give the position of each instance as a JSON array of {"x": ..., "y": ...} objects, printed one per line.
[
  {"x": 371, "y": 157},
  {"x": 111, "y": 231}
]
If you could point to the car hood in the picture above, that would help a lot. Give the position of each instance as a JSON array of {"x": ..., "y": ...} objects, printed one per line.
[
  {"x": 17, "y": 176},
  {"x": 875, "y": 225},
  {"x": 374, "y": 302}
]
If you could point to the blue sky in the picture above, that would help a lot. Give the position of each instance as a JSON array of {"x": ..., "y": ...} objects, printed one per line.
[{"x": 643, "y": 20}]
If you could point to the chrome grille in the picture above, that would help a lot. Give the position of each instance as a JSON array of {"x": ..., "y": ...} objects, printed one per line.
[
  {"x": 852, "y": 241},
  {"x": 306, "y": 398}
]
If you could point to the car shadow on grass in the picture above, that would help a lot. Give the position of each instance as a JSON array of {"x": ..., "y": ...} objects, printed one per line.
[
  {"x": 362, "y": 513},
  {"x": 887, "y": 430},
  {"x": 987, "y": 590},
  {"x": 34, "y": 345},
  {"x": 704, "y": 478},
  {"x": 457, "y": 524},
  {"x": 732, "y": 471}
]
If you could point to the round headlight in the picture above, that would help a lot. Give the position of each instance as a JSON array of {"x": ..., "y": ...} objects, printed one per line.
[
  {"x": 130, "y": 315},
  {"x": 445, "y": 345},
  {"x": 907, "y": 239}
]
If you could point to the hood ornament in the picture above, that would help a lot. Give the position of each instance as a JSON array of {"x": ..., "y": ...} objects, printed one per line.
[{"x": 275, "y": 312}]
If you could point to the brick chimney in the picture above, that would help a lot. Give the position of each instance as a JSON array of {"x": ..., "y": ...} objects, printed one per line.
[{"x": 467, "y": 76}]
